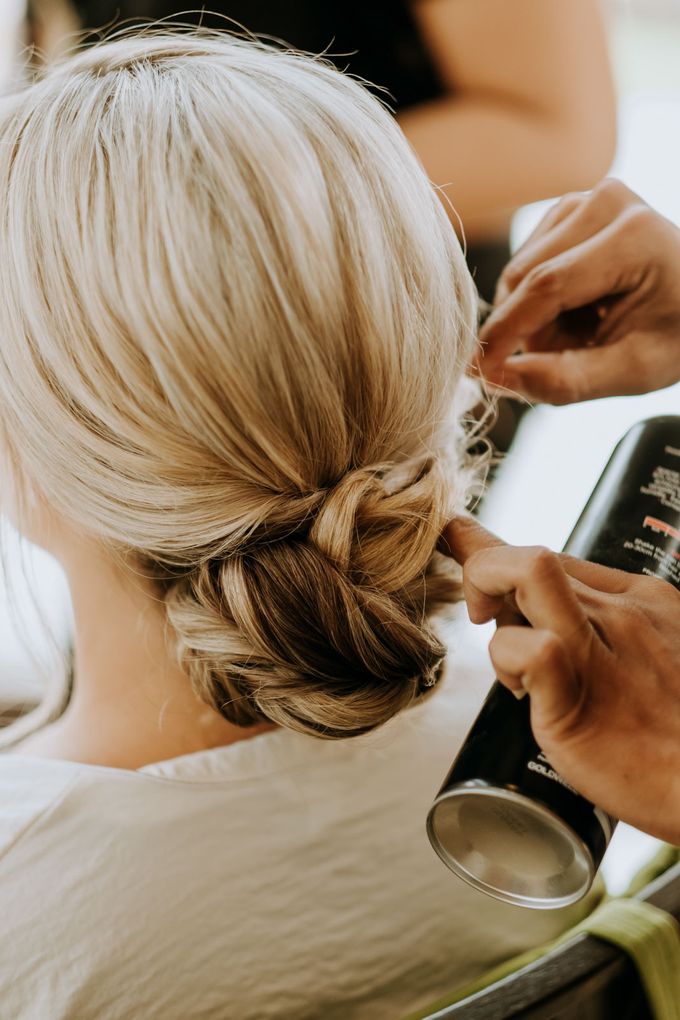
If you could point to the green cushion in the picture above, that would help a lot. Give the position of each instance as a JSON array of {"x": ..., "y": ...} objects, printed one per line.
[
  {"x": 651, "y": 937},
  {"x": 662, "y": 860}
]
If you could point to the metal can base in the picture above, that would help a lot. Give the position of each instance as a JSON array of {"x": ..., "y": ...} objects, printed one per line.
[{"x": 509, "y": 846}]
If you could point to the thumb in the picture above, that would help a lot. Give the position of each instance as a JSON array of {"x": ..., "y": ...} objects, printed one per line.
[{"x": 570, "y": 376}]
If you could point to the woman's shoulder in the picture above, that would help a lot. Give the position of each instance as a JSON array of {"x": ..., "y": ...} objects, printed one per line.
[{"x": 29, "y": 789}]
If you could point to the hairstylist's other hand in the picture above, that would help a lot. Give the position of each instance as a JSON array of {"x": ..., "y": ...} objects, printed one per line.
[
  {"x": 591, "y": 302},
  {"x": 601, "y": 664}
]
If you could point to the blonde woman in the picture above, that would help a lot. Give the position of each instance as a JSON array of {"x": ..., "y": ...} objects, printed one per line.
[{"x": 235, "y": 322}]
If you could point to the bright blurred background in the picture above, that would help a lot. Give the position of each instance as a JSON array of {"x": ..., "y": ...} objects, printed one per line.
[{"x": 558, "y": 453}]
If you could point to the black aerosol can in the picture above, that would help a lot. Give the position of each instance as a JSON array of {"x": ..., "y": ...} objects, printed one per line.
[{"x": 504, "y": 820}]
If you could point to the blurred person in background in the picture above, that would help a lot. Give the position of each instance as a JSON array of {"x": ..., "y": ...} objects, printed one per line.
[{"x": 505, "y": 101}]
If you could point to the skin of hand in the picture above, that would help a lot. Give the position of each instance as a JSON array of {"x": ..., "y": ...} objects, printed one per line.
[
  {"x": 515, "y": 123},
  {"x": 591, "y": 301},
  {"x": 600, "y": 661}
]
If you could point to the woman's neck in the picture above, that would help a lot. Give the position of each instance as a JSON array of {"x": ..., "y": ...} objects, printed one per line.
[{"x": 132, "y": 703}]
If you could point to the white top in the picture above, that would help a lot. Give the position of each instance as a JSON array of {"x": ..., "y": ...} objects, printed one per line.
[{"x": 280, "y": 877}]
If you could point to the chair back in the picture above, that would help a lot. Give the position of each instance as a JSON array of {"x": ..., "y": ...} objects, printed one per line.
[{"x": 583, "y": 979}]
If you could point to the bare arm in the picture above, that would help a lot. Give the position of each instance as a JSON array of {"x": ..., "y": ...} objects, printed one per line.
[
  {"x": 531, "y": 109},
  {"x": 54, "y": 27}
]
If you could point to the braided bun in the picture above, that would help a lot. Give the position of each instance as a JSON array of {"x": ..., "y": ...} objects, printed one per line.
[{"x": 322, "y": 627}]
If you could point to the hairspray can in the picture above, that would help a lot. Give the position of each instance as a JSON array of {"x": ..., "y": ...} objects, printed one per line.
[{"x": 505, "y": 821}]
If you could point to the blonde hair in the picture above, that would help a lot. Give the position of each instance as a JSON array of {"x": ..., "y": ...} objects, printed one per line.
[{"x": 235, "y": 323}]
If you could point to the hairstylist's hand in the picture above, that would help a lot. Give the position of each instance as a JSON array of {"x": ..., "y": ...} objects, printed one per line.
[
  {"x": 601, "y": 664},
  {"x": 591, "y": 302}
]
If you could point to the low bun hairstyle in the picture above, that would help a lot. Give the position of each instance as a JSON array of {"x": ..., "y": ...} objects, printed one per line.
[
  {"x": 235, "y": 323},
  {"x": 326, "y": 611}
]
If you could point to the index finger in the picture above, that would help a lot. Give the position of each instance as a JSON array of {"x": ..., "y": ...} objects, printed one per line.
[
  {"x": 560, "y": 211},
  {"x": 580, "y": 276},
  {"x": 464, "y": 536},
  {"x": 535, "y": 577}
]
